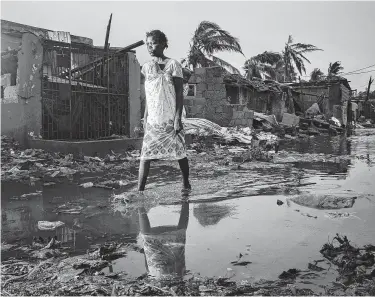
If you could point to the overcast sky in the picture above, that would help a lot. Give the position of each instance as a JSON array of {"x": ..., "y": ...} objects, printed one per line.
[{"x": 344, "y": 30}]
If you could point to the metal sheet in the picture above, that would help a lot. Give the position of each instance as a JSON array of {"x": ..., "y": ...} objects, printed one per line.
[{"x": 59, "y": 36}]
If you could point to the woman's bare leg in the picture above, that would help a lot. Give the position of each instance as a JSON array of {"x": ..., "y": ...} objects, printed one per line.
[
  {"x": 144, "y": 169},
  {"x": 184, "y": 166},
  {"x": 144, "y": 222},
  {"x": 184, "y": 216}
]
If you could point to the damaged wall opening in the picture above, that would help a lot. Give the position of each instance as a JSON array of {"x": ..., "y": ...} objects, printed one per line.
[
  {"x": 232, "y": 94},
  {"x": 192, "y": 90},
  {"x": 9, "y": 65},
  {"x": 84, "y": 92}
]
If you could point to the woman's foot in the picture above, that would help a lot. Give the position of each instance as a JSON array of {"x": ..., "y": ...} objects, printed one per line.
[
  {"x": 187, "y": 187},
  {"x": 186, "y": 190}
]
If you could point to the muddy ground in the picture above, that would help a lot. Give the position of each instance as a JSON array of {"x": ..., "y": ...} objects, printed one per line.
[{"x": 313, "y": 186}]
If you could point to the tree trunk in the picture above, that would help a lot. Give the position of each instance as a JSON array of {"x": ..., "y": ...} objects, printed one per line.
[{"x": 368, "y": 88}]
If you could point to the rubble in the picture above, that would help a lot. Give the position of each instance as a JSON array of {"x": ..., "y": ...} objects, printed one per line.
[
  {"x": 84, "y": 275},
  {"x": 290, "y": 120},
  {"x": 355, "y": 265},
  {"x": 32, "y": 165},
  {"x": 230, "y": 148},
  {"x": 313, "y": 110},
  {"x": 324, "y": 201}
]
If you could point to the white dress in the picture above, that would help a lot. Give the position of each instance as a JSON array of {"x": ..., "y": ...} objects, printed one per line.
[
  {"x": 165, "y": 253},
  {"x": 160, "y": 139}
]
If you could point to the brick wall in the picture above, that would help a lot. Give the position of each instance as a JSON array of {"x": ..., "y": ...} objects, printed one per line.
[
  {"x": 305, "y": 101},
  {"x": 195, "y": 107},
  {"x": 241, "y": 116},
  {"x": 211, "y": 101},
  {"x": 335, "y": 105},
  {"x": 210, "y": 95}
]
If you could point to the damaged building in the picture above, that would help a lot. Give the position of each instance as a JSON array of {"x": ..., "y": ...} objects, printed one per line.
[
  {"x": 58, "y": 86},
  {"x": 332, "y": 97},
  {"x": 230, "y": 100}
]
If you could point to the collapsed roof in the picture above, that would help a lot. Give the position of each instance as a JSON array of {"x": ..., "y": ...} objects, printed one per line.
[{"x": 256, "y": 84}]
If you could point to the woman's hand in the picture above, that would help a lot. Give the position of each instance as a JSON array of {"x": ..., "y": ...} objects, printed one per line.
[
  {"x": 143, "y": 122},
  {"x": 178, "y": 124}
]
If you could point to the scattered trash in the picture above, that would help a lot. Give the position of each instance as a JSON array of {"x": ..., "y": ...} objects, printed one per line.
[
  {"x": 290, "y": 274},
  {"x": 49, "y": 184},
  {"x": 45, "y": 225},
  {"x": 24, "y": 165},
  {"x": 240, "y": 263},
  {"x": 334, "y": 121},
  {"x": 69, "y": 209},
  {"x": 340, "y": 215},
  {"x": 27, "y": 196},
  {"x": 308, "y": 215},
  {"x": 354, "y": 264},
  {"x": 314, "y": 267},
  {"x": 313, "y": 110},
  {"x": 87, "y": 185}
]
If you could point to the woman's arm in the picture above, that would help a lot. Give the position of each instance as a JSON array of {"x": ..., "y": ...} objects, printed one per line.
[
  {"x": 178, "y": 81},
  {"x": 146, "y": 109},
  {"x": 179, "y": 88},
  {"x": 145, "y": 116}
]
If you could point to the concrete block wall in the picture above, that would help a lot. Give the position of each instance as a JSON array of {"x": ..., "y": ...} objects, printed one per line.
[
  {"x": 195, "y": 107},
  {"x": 258, "y": 101},
  {"x": 277, "y": 105},
  {"x": 211, "y": 102},
  {"x": 340, "y": 112},
  {"x": 241, "y": 116},
  {"x": 209, "y": 86},
  {"x": 306, "y": 101}
]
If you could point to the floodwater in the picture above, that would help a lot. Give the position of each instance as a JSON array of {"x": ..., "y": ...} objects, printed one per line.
[{"x": 231, "y": 211}]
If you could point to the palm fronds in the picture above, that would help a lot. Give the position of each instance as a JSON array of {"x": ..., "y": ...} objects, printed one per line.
[
  {"x": 334, "y": 69},
  {"x": 209, "y": 39}
]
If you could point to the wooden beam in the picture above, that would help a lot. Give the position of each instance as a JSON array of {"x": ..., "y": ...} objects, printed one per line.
[
  {"x": 107, "y": 34},
  {"x": 100, "y": 60},
  {"x": 106, "y": 46}
]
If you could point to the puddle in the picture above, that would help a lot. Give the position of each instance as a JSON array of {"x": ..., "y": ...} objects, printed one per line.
[{"x": 231, "y": 211}]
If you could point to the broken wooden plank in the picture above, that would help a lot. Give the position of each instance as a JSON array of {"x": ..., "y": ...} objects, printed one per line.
[
  {"x": 98, "y": 61},
  {"x": 106, "y": 45}
]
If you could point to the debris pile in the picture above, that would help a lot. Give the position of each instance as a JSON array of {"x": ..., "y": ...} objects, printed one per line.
[
  {"x": 88, "y": 275},
  {"x": 35, "y": 164},
  {"x": 202, "y": 128},
  {"x": 356, "y": 266}
]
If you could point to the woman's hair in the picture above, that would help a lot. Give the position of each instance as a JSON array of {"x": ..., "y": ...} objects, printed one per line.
[{"x": 159, "y": 36}]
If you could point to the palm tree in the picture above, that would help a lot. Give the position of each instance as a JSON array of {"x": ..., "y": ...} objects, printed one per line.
[
  {"x": 334, "y": 69},
  {"x": 253, "y": 69},
  {"x": 294, "y": 57},
  {"x": 266, "y": 65},
  {"x": 209, "y": 39},
  {"x": 280, "y": 66},
  {"x": 316, "y": 75}
]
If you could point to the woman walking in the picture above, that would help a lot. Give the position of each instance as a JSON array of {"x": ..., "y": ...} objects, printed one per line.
[{"x": 164, "y": 137}]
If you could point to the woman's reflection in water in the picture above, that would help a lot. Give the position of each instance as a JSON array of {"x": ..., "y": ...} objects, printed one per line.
[{"x": 164, "y": 246}]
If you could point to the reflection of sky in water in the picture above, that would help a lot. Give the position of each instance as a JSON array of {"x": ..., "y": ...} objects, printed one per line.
[{"x": 248, "y": 220}]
